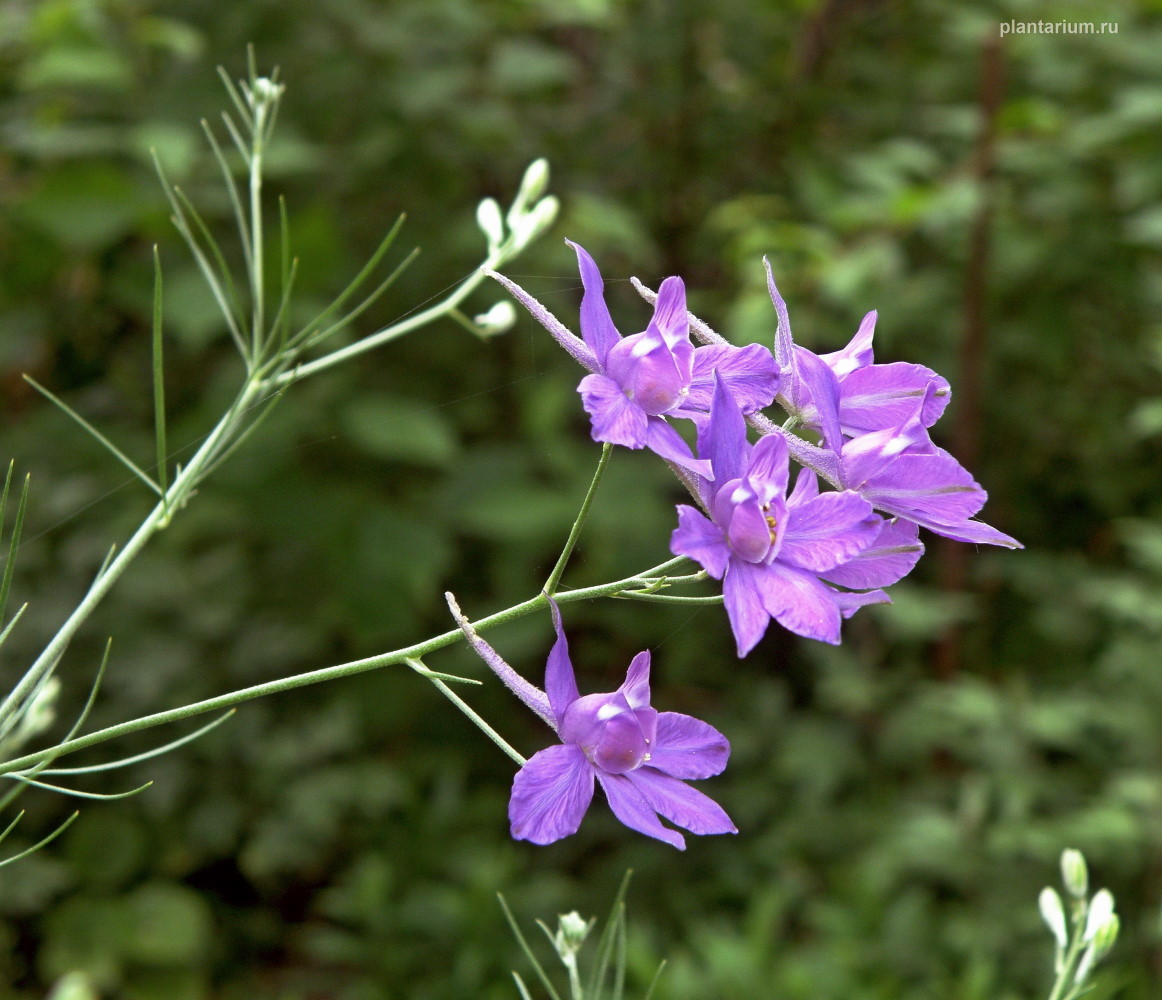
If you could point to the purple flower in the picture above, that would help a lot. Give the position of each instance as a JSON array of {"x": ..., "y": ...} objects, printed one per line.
[
  {"x": 779, "y": 555},
  {"x": 844, "y": 392},
  {"x": 639, "y": 381},
  {"x": 642, "y": 758},
  {"x": 900, "y": 471},
  {"x": 875, "y": 418}
]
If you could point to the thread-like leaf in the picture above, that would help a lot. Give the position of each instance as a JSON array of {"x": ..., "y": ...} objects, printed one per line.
[
  {"x": 147, "y": 755},
  {"x": 382, "y": 287},
  {"x": 75, "y": 792},
  {"x": 524, "y": 946},
  {"x": 159, "y": 384},
  {"x": 41, "y": 843},
  {"x": 231, "y": 190},
  {"x": 113, "y": 449},
  {"x": 605, "y": 943},
  {"x": 13, "y": 543},
  {"x": 308, "y": 331}
]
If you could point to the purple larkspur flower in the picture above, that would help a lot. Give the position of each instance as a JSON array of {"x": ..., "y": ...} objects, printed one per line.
[
  {"x": 900, "y": 471},
  {"x": 640, "y": 381},
  {"x": 876, "y": 419},
  {"x": 642, "y": 758},
  {"x": 844, "y": 393},
  {"x": 779, "y": 556}
]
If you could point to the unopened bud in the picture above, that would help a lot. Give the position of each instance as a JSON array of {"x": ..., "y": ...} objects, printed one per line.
[
  {"x": 1101, "y": 909},
  {"x": 529, "y": 226},
  {"x": 1103, "y": 940},
  {"x": 490, "y": 222},
  {"x": 1053, "y": 913},
  {"x": 74, "y": 986},
  {"x": 1074, "y": 873},
  {"x": 572, "y": 931},
  {"x": 534, "y": 182},
  {"x": 498, "y": 319}
]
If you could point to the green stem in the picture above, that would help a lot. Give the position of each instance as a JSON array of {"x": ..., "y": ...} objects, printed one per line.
[
  {"x": 494, "y": 260},
  {"x": 575, "y": 532},
  {"x": 468, "y": 710},
  {"x": 413, "y": 652},
  {"x": 181, "y": 487},
  {"x": 257, "y": 275}
]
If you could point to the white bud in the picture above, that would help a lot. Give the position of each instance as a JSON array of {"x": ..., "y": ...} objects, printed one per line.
[
  {"x": 529, "y": 226},
  {"x": 572, "y": 931},
  {"x": 1053, "y": 913},
  {"x": 499, "y": 318},
  {"x": 74, "y": 986},
  {"x": 1074, "y": 873},
  {"x": 490, "y": 223},
  {"x": 534, "y": 182},
  {"x": 1101, "y": 909}
]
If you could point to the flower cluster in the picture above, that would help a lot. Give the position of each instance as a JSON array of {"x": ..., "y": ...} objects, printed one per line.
[
  {"x": 803, "y": 556},
  {"x": 807, "y": 559}
]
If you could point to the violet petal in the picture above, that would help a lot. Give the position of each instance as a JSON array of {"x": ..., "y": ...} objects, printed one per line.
[
  {"x": 680, "y": 804},
  {"x": 688, "y": 748},
  {"x": 631, "y": 807},
  {"x": 550, "y": 794}
]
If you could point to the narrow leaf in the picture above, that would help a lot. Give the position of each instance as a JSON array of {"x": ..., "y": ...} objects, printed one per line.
[
  {"x": 42, "y": 843},
  {"x": 159, "y": 385},
  {"x": 524, "y": 946},
  {"x": 116, "y": 452}
]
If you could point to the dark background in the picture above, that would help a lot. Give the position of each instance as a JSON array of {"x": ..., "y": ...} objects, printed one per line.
[{"x": 901, "y": 799}]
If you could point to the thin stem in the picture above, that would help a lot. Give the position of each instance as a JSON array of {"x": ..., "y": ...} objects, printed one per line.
[
  {"x": 183, "y": 483},
  {"x": 422, "y": 318},
  {"x": 257, "y": 272},
  {"x": 555, "y": 576},
  {"x": 414, "y": 652},
  {"x": 467, "y": 709}
]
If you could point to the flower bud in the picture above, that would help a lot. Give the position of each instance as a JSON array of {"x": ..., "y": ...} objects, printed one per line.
[
  {"x": 572, "y": 931},
  {"x": 1103, "y": 940},
  {"x": 490, "y": 223},
  {"x": 1053, "y": 913},
  {"x": 1101, "y": 909},
  {"x": 74, "y": 986},
  {"x": 530, "y": 225},
  {"x": 534, "y": 182},
  {"x": 266, "y": 91},
  {"x": 1074, "y": 873},
  {"x": 498, "y": 319}
]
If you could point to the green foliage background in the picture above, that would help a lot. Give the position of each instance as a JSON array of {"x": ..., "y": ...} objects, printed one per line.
[{"x": 902, "y": 798}]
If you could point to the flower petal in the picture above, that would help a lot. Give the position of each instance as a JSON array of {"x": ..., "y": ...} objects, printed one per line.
[
  {"x": 887, "y": 560},
  {"x": 702, "y": 540},
  {"x": 615, "y": 418},
  {"x": 636, "y": 686},
  {"x": 560, "y": 681},
  {"x": 722, "y": 438},
  {"x": 749, "y": 372},
  {"x": 667, "y": 443},
  {"x": 799, "y": 602},
  {"x": 821, "y": 387},
  {"x": 827, "y": 530},
  {"x": 631, "y": 807},
  {"x": 744, "y": 604},
  {"x": 858, "y": 353},
  {"x": 680, "y": 804},
  {"x": 597, "y": 327},
  {"x": 883, "y": 396},
  {"x": 550, "y": 794},
  {"x": 849, "y": 602},
  {"x": 670, "y": 313},
  {"x": 784, "y": 345},
  {"x": 686, "y": 747}
]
